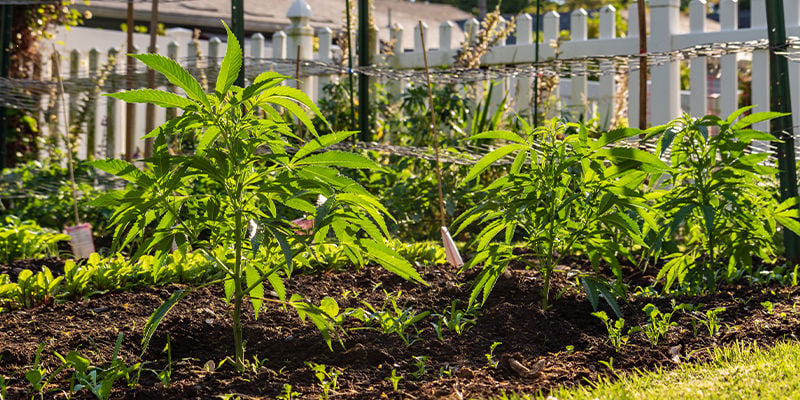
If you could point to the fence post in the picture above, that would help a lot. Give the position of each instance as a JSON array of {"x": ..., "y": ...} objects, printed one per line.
[
  {"x": 213, "y": 53},
  {"x": 522, "y": 84},
  {"x": 577, "y": 107},
  {"x": 325, "y": 37},
  {"x": 664, "y": 24},
  {"x": 300, "y": 34},
  {"x": 698, "y": 74},
  {"x": 396, "y": 86},
  {"x": 446, "y": 35},
  {"x": 111, "y": 108},
  {"x": 91, "y": 118},
  {"x": 74, "y": 96},
  {"x": 634, "y": 74},
  {"x": 279, "y": 45},
  {"x": 550, "y": 30},
  {"x": 760, "y": 74},
  {"x": 729, "y": 82},
  {"x": 606, "y": 97},
  {"x": 172, "y": 52},
  {"x": 257, "y": 47},
  {"x": 418, "y": 39}
]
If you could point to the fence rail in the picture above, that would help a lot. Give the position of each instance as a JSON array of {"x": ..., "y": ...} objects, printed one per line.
[{"x": 714, "y": 81}]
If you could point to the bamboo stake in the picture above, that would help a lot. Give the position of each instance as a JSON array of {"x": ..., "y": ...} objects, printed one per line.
[
  {"x": 57, "y": 64},
  {"x": 433, "y": 127}
]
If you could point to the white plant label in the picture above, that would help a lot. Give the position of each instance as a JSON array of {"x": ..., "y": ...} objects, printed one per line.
[
  {"x": 80, "y": 237},
  {"x": 450, "y": 249}
]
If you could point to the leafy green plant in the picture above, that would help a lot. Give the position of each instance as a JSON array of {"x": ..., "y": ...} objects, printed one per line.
[
  {"x": 616, "y": 336},
  {"x": 38, "y": 376},
  {"x": 288, "y": 393},
  {"x": 328, "y": 378},
  {"x": 253, "y": 193},
  {"x": 692, "y": 310},
  {"x": 394, "y": 379},
  {"x": 420, "y": 362},
  {"x": 769, "y": 308},
  {"x": 390, "y": 318},
  {"x": 490, "y": 355},
  {"x": 564, "y": 191},
  {"x": 658, "y": 324},
  {"x": 41, "y": 191},
  {"x": 712, "y": 321},
  {"x": 719, "y": 214},
  {"x": 97, "y": 380},
  {"x": 26, "y": 239},
  {"x": 453, "y": 319}
]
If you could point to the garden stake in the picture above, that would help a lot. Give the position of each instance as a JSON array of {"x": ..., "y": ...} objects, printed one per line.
[
  {"x": 80, "y": 234},
  {"x": 536, "y": 77},
  {"x": 453, "y": 257},
  {"x": 297, "y": 76},
  {"x": 350, "y": 71},
  {"x": 781, "y": 127}
]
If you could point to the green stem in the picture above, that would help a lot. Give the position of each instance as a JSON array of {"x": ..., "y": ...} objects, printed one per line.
[{"x": 237, "y": 297}]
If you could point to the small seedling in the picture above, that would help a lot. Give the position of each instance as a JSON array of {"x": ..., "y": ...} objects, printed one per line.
[
  {"x": 328, "y": 380},
  {"x": 609, "y": 364},
  {"x": 490, "y": 355},
  {"x": 712, "y": 321},
  {"x": 394, "y": 379},
  {"x": 288, "y": 393},
  {"x": 769, "y": 307},
  {"x": 659, "y": 324},
  {"x": 570, "y": 349},
  {"x": 616, "y": 336},
  {"x": 419, "y": 362}
]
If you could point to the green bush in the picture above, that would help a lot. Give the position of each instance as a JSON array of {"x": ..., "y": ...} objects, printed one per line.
[{"x": 26, "y": 239}]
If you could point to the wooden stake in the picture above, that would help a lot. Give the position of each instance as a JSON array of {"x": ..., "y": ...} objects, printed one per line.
[
  {"x": 433, "y": 127},
  {"x": 67, "y": 140}
]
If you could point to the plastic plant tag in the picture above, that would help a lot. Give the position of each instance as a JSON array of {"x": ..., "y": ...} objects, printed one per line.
[
  {"x": 80, "y": 237},
  {"x": 450, "y": 250}
]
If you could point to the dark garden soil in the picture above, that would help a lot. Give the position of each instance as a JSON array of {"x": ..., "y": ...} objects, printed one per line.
[{"x": 539, "y": 350}]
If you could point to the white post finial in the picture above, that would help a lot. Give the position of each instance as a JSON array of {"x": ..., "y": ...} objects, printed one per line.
[
  {"x": 524, "y": 28},
  {"x": 299, "y": 32}
]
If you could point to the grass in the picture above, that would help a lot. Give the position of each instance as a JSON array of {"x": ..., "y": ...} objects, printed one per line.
[{"x": 741, "y": 371}]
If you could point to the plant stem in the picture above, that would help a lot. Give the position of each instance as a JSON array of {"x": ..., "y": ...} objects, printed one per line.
[{"x": 237, "y": 296}]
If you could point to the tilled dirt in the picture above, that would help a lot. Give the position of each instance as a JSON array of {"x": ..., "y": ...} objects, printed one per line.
[{"x": 537, "y": 349}]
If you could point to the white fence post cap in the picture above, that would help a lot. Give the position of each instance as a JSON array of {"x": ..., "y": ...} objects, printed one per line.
[{"x": 299, "y": 9}]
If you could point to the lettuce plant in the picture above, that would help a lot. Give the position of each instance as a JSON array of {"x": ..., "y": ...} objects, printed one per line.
[
  {"x": 564, "y": 191},
  {"x": 258, "y": 174},
  {"x": 26, "y": 239}
]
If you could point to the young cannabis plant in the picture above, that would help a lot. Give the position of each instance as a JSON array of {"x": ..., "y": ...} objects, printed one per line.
[
  {"x": 564, "y": 191},
  {"x": 259, "y": 175},
  {"x": 719, "y": 213}
]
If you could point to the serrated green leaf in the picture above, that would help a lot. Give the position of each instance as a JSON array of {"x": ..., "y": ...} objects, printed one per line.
[
  {"x": 624, "y": 153},
  {"x": 157, "y": 97},
  {"x": 498, "y": 134},
  {"x": 231, "y": 64},
  {"x": 390, "y": 260},
  {"x": 340, "y": 159},
  {"x": 320, "y": 142},
  {"x": 176, "y": 75},
  {"x": 489, "y": 159}
]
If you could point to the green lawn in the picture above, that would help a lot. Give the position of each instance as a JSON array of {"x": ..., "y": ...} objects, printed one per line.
[{"x": 738, "y": 372}]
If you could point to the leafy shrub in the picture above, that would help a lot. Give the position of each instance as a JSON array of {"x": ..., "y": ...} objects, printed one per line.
[
  {"x": 247, "y": 187},
  {"x": 40, "y": 191},
  {"x": 26, "y": 239},
  {"x": 719, "y": 214},
  {"x": 564, "y": 191}
]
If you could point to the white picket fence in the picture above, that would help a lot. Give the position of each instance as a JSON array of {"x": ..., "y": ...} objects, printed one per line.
[{"x": 84, "y": 50}]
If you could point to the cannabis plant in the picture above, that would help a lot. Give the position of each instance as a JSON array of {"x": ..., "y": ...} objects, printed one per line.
[
  {"x": 258, "y": 174},
  {"x": 565, "y": 191},
  {"x": 719, "y": 211}
]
